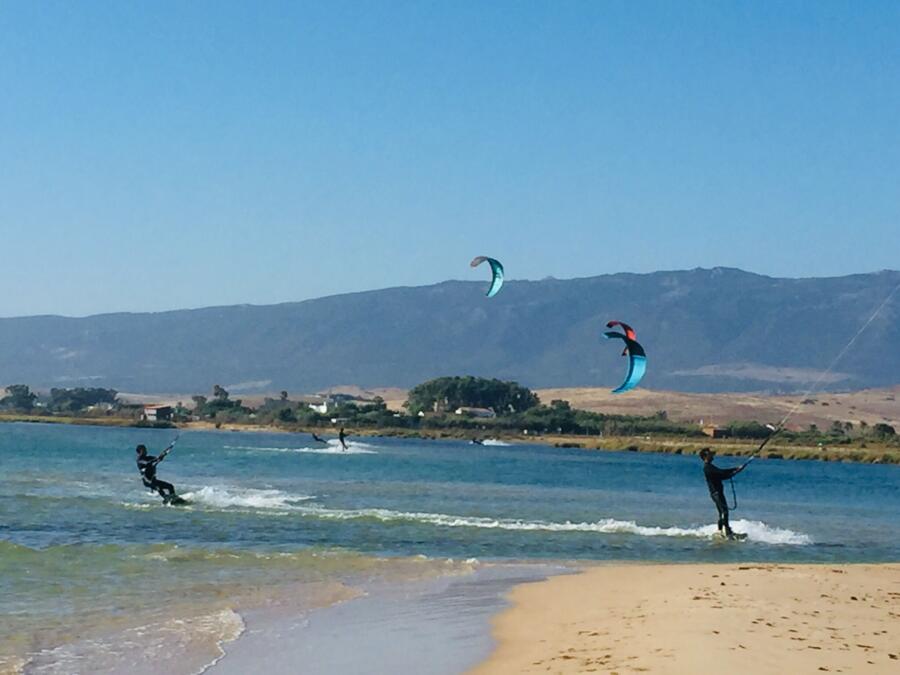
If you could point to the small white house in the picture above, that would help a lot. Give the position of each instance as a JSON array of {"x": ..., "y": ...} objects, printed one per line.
[
  {"x": 330, "y": 402},
  {"x": 323, "y": 407},
  {"x": 157, "y": 413}
]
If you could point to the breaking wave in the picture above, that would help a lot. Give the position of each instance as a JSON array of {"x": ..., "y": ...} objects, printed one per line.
[
  {"x": 221, "y": 497},
  {"x": 331, "y": 447},
  {"x": 277, "y": 501},
  {"x": 756, "y": 530}
]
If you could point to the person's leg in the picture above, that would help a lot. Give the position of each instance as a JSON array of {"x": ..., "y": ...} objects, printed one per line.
[
  {"x": 164, "y": 489},
  {"x": 718, "y": 511},
  {"x": 726, "y": 523},
  {"x": 722, "y": 505},
  {"x": 722, "y": 509}
]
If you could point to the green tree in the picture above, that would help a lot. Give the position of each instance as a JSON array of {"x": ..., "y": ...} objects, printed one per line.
[
  {"x": 449, "y": 393},
  {"x": 79, "y": 398},
  {"x": 286, "y": 415},
  {"x": 884, "y": 430},
  {"x": 18, "y": 397},
  {"x": 748, "y": 430}
]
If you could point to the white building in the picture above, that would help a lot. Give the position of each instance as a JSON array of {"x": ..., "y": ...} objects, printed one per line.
[{"x": 157, "y": 413}]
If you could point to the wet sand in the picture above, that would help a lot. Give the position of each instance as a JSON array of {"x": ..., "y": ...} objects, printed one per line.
[
  {"x": 435, "y": 626},
  {"x": 734, "y": 618}
]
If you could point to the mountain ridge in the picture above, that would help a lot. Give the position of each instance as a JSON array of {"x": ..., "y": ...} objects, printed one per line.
[{"x": 706, "y": 329}]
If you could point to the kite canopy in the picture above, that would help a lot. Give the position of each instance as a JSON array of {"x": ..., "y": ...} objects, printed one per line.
[
  {"x": 497, "y": 271},
  {"x": 637, "y": 362},
  {"x": 629, "y": 332}
]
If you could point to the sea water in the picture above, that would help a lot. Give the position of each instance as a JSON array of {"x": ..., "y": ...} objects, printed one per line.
[{"x": 96, "y": 574}]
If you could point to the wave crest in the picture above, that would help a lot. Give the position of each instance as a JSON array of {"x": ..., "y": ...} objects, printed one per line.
[
  {"x": 756, "y": 531},
  {"x": 332, "y": 447},
  {"x": 221, "y": 497}
]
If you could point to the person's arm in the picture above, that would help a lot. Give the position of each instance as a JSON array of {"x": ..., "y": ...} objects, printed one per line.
[
  {"x": 166, "y": 451},
  {"x": 724, "y": 474}
]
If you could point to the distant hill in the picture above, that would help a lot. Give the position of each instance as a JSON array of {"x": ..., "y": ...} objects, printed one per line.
[
  {"x": 871, "y": 406},
  {"x": 704, "y": 330}
]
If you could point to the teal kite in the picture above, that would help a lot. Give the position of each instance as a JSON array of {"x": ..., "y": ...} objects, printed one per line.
[
  {"x": 637, "y": 362},
  {"x": 496, "y": 270}
]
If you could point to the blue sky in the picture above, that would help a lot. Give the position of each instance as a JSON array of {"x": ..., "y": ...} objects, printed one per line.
[{"x": 164, "y": 155}]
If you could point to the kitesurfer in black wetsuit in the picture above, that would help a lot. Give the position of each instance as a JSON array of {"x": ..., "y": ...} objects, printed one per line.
[
  {"x": 318, "y": 439},
  {"x": 714, "y": 477},
  {"x": 147, "y": 466},
  {"x": 342, "y": 436}
]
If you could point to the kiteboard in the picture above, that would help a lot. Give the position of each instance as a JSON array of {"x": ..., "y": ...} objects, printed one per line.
[
  {"x": 175, "y": 500},
  {"x": 736, "y": 536}
]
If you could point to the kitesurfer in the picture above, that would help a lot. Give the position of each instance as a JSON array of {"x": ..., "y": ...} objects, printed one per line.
[
  {"x": 714, "y": 477},
  {"x": 147, "y": 466},
  {"x": 341, "y": 437},
  {"x": 318, "y": 438}
]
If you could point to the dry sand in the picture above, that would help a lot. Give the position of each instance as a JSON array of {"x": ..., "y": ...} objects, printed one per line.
[{"x": 734, "y": 618}]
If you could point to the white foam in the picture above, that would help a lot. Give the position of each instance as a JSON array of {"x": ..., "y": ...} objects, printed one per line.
[
  {"x": 756, "y": 531},
  {"x": 191, "y": 644},
  {"x": 228, "y": 626},
  {"x": 332, "y": 447},
  {"x": 494, "y": 441},
  {"x": 221, "y": 497}
]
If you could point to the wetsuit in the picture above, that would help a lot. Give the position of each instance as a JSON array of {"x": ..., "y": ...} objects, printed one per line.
[
  {"x": 316, "y": 438},
  {"x": 147, "y": 466},
  {"x": 342, "y": 436},
  {"x": 714, "y": 477}
]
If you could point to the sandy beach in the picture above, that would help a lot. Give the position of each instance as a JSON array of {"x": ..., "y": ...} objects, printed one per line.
[{"x": 729, "y": 618}]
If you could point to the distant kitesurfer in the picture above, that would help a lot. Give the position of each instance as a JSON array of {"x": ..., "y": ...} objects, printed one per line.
[
  {"x": 714, "y": 477},
  {"x": 147, "y": 466},
  {"x": 341, "y": 437},
  {"x": 476, "y": 441},
  {"x": 318, "y": 438}
]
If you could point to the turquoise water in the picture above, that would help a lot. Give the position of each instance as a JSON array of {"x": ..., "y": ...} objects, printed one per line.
[{"x": 85, "y": 549}]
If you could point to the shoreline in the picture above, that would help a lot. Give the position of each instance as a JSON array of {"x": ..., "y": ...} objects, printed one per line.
[
  {"x": 438, "y": 626},
  {"x": 231, "y": 632},
  {"x": 702, "y": 618},
  {"x": 646, "y": 444}
]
